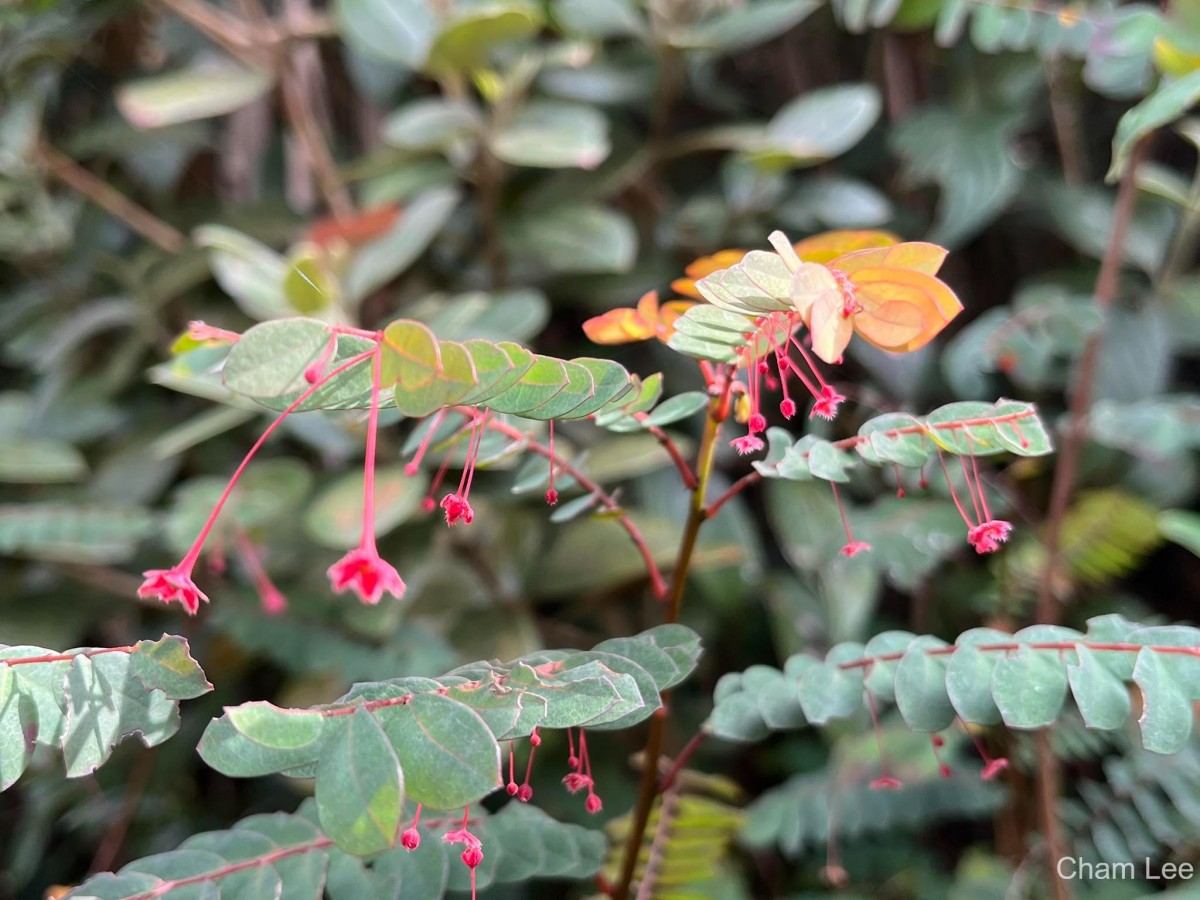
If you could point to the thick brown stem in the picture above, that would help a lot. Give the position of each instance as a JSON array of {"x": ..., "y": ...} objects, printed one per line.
[{"x": 1081, "y": 398}]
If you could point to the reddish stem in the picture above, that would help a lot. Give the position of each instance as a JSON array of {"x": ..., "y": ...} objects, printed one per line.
[
  {"x": 189, "y": 560},
  {"x": 62, "y": 657},
  {"x": 685, "y": 471},
  {"x": 657, "y": 584},
  {"x": 368, "y": 524}
]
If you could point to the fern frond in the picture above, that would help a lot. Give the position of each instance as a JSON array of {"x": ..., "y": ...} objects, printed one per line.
[{"x": 689, "y": 832}]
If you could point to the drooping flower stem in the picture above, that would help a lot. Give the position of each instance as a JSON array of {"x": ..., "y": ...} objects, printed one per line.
[
  {"x": 193, "y": 554},
  {"x": 368, "y": 524}
]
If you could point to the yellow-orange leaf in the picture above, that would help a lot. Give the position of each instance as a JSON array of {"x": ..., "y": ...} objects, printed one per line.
[
  {"x": 705, "y": 265},
  {"x": 359, "y": 228},
  {"x": 902, "y": 309},
  {"x": 824, "y": 248},
  {"x": 624, "y": 326},
  {"x": 918, "y": 256}
]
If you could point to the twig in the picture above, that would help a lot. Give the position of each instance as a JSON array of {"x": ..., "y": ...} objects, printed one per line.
[
  {"x": 217, "y": 25},
  {"x": 1064, "y": 117},
  {"x": 114, "y": 837},
  {"x": 1081, "y": 399},
  {"x": 111, "y": 200},
  {"x": 680, "y": 762},
  {"x": 1049, "y": 774},
  {"x": 685, "y": 471},
  {"x": 718, "y": 409},
  {"x": 606, "y": 500},
  {"x": 736, "y": 488}
]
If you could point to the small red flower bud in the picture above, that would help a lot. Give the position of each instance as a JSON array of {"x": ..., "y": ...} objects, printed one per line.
[
  {"x": 944, "y": 770},
  {"x": 938, "y": 740},
  {"x": 429, "y": 504},
  {"x": 593, "y": 804},
  {"x": 788, "y": 408},
  {"x": 552, "y": 497},
  {"x": 525, "y": 794},
  {"x": 411, "y": 468},
  {"x": 512, "y": 788},
  {"x": 411, "y": 839},
  {"x": 535, "y": 739},
  {"x": 757, "y": 423},
  {"x": 472, "y": 856},
  {"x": 854, "y": 548}
]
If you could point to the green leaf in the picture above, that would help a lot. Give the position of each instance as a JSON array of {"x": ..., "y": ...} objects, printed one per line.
[
  {"x": 211, "y": 87},
  {"x": 360, "y": 787},
  {"x": 744, "y": 26},
  {"x": 431, "y": 123},
  {"x": 467, "y": 42},
  {"x": 1182, "y": 527},
  {"x": 105, "y": 703},
  {"x": 967, "y": 155},
  {"x": 552, "y": 134},
  {"x": 541, "y": 383},
  {"x": 827, "y": 691},
  {"x": 821, "y": 124},
  {"x": 920, "y": 687},
  {"x": 828, "y": 462},
  {"x": 1029, "y": 687},
  {"x": 270, "y": 358},
  {"x": 577, "y": 238},
  {"x": 389, "y": 256},
  {"x": 394, "y": 31},
  {"x": 40, "y": 461},
  {"x": 1166, "y": 720},
  {"x": 449, "y": 755},
  {"x": 1101, "y": 696},
  {"x": 167, "y": 665},
  {"x": 1169, "y": 102},
  {"x": 309, "y": 285},
  {"x": 969, "y": 676},
  {"x": 248, "y": 271},
  {"x": 881, "y": 676},
  {"x": 679, "y": 407},
  {"x": 600, "y": 18},
  {"x": 18, "y": 726},
  {"x": 335, "y": 518}
]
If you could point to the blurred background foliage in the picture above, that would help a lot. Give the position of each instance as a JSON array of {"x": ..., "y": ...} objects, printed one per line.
[{"x": 505, "y": 169}]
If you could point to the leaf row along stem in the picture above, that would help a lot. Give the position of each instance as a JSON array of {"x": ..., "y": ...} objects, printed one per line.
[
  {"x": 850, "y": 443},
  {"x": 274, "y": 856},
  {"x": 1013, "y": 646}
]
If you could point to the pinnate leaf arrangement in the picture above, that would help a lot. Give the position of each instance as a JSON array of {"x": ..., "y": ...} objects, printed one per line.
[{"x": 401, "y": 768}]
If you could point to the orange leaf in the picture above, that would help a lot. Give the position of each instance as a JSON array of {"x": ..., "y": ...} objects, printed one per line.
[
  {"x": 705, "y": 265},
  {"x": 357, "y": 229},
  {"x": 902, "y": 310},
  {"x": 671, "y": 310},
  {"x": 823, "y": 248},
  {"x": 916, "y": 256},
  {"x": 830, "y": 328},
  {"x": 624, "y": 326},
  {"x": 618, "y": 326}
]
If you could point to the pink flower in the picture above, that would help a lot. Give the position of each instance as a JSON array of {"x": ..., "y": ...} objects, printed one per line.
[
  {"x": 362, "y": 571},
  {"x": 747, "y": 443},
  {"x": 993, "y": 768},
  {"x": 757, "y": 423},
  {"x": 886, "y": 783},
  {"x": 854, "y": 548},
  {"x": 472, "y": 856},
  {"x": 787, "y": 407},
  {"x": 410, "y": 839},
  {"x": 461, "y": 835},
  {"x": 987, "y": 537},
  {"x": 593, "y": 804},
  {"x": 525, "y": 794},
  {"x": 576, "y": 782},
  {"x": 552, "y": 497},
  {"x": 169, "y": 585},
  {"x": 457, "y": 509},
  {"x": 827, "y": 404}
]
